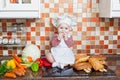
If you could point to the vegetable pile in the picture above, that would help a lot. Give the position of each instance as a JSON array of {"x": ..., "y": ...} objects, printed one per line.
[{"x": 17, "y": 66}]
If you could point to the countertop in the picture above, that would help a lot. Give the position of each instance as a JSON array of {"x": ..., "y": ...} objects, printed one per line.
[{"x": 112, "y": 62}]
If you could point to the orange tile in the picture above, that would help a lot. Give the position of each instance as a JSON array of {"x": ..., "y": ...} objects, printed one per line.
[
  {"x": 27, "y": 24},
  {"x": 10, "y": 52},
  {"x": 109, "y": 50},
  {"x": 28, "y": 33},
  {"x": 88, "y": 29},
  {"x": 42, "y": 37},
  {"x": 47, "y": 38},
  {"x": 38, "y": 24},
  {"x": 87, "y": 46},
  {"x": 28, "y": 38},
  {"x": 37, "y": 33},
  {"x": 118, "y": 46},
  {"x": 46, "y": 5},
  {"x": 92, "y": 37},
  {"x": 70, "y": 5},
  {"x": 96, "y": 51},
  {"x": 94, "y": 19},
  {"x": 32, "y": 29},
  {"x": 115, "y": 42},
  {"x": 42, "y": 15},
  {"x": 78, "y": 51},
  {"x": 79, "y": 28},
  {"x": 102, "y": 28},
  {"x": 105, "y": 46},
  {"x": 70, "y": 10},
  {"x": 78, "y": 42},
  {"x": 47, "y": 29},
  {"x": 119, "y": 28},
  {"x": 79, "y": 1},
  {"x": 118, "y": 37},
  {"x": 3, "y": 24},
  {"x": 89, "y": 5},
  {"x": 84, "y": 19},
  {"x": 111, "y": 23},
  {"x": 106, "y": 37},
  {"x": 101, "y": 41},
  {"x": 1, "y": 52},
  {"x": 56, "y": 10},
  {"x": 56, "y": 5},
  {"x": 33, "y": 42},
  {"x": 37, "y": 28}
]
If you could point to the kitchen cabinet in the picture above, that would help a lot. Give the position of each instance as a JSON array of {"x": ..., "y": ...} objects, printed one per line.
[
  {"x": 109, "y": 8},
  {"x": 19, "y": 8}
]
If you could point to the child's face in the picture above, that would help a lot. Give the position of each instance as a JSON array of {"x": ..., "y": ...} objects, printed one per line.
[{"x": 63, "y": 28}]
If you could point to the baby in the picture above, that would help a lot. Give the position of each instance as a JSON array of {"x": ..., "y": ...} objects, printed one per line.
[{"x": 61, "y": 54}]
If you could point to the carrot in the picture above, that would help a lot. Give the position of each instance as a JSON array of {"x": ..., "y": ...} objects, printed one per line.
[
  {"x": 29, "y": 58},
  {"x": 17, "y": 58},
  {"x": 18, "y": 64},
  {"x": 24, "y": 66},
  {"x": 10, "y": 75},
  {"x": 19, "y": 71}
]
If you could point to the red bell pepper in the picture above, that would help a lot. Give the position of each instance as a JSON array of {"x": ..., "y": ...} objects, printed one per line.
[
  {"x": 46, "y": 63},
  {"x": 43, "y": 62},
  {"x": 40, "y": 62}
]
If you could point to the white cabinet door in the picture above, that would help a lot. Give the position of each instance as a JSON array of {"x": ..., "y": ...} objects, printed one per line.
[
  {"x": 115, "y": 4},
  {"x": 19, "y": 8},
  {"x": 20, "y": 5},
  {"x": 109, "y": 8}
]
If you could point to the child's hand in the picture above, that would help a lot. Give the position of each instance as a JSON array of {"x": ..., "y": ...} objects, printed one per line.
[
  {"x": 66, "y": 36},
  {"x": 60, "y": 36}
]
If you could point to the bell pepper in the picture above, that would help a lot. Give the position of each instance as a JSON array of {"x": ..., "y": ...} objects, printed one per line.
[
  {"x": 40, "y": 62},
  {"x": 11, "y": 63},
  {"x": 35, "y": 66},
  {"x": 46, "y": 63}
]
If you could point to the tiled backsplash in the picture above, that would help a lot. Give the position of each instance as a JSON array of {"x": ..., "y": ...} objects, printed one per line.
[{"x": 93, "y": 35}]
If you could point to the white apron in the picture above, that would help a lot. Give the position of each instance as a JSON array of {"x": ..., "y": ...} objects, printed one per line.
[{"x": 62, "y": 53}]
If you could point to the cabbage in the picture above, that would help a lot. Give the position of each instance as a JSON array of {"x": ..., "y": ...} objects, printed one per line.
[{"x": 31, "y": 50}]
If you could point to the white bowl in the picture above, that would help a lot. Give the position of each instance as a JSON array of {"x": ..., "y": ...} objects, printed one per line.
[
  {"x": 11, "y": 41},
  {"x": 5, "y": 41}
]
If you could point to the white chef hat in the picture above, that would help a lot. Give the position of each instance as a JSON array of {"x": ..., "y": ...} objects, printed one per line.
[{"x": 69, "y": 20}]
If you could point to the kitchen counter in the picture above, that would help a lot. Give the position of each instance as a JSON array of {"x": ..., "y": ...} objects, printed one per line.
[{"x": 113, "y": 67}]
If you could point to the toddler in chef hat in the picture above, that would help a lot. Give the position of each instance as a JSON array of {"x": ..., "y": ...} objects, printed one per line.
[{"x": 61, "y": 54}]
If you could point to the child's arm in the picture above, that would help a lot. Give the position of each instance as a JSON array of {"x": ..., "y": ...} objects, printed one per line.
[
  {"x": 69, "y": 41},
  {"x": 55, "y": 41}
]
